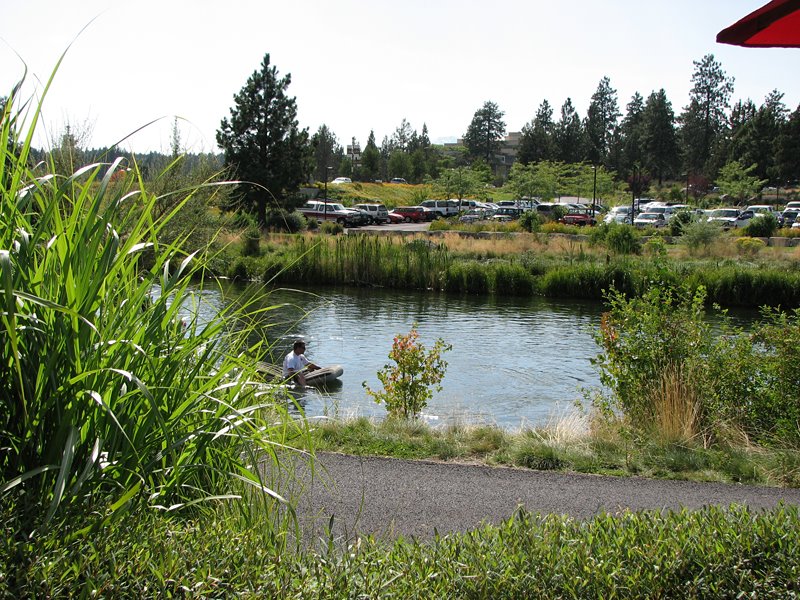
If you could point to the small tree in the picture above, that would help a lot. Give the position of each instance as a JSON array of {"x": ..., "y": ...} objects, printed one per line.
[
  {"x": 407, "y": 384},
  {"x": 737, "y": 181}
]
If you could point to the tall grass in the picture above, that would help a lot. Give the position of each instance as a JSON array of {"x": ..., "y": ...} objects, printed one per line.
[{"x": 113, "y": 393}]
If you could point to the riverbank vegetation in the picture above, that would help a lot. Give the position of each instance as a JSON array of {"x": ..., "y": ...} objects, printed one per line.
[{"x": 526, "y": 264}]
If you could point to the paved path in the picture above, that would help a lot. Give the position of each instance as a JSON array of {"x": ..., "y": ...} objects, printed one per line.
[{"x": 390, "y": 497}]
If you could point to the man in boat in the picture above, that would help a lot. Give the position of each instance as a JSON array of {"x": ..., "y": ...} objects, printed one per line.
[{"x": 296, "y": 364}]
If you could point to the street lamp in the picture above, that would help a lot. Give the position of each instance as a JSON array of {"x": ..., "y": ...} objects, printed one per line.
[
  {"x": 325, "y": 210},
  {"x": 594, "y": 189}
]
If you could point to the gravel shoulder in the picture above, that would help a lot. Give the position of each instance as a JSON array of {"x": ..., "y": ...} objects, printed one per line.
[{"x": 388, "y": 497}]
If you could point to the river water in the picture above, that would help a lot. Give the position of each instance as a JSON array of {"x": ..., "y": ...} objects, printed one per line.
[{"x": 514, "y": 362}]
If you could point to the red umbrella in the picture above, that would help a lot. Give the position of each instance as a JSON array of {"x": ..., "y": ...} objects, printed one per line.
[{"x": 776, "y": 24}]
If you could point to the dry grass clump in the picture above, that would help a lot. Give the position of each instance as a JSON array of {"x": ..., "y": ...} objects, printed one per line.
[{"x": 676, "y": 405}]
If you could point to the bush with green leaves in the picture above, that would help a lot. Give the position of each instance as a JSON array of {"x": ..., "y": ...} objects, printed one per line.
[
  {"x": 622, "y": 238},
  {"x": 530, "y": 221},
  {"x": 700, "y": 235},
  {"x": 661, "y": 347},
  {"x": 679, "y": 220},
  {"x": 762, "y": 226},
  {"x": 113, "y": 392},
  {"x": 417, "y": 371}
]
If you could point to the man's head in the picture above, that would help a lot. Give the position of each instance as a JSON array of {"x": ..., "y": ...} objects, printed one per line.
[{"x": 299, "y": 346}]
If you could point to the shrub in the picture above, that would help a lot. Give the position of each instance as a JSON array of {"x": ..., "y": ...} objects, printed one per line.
[
  {"x": 762, "y": 226},
  {"x": 621, "y": 238},
  {"x": 656, "y": 246},
  {"x": 530, "y": 221},
  {"x": 643, "y": 338},
  {"x": 747, "y": 246},
  {"x": 331, "y": 228},
  {"x": 678, "y": 221},
  {"x": 250, "y": 241},
  {"x": 700, "y": 235},
  {"x": 407, "y": 384}
]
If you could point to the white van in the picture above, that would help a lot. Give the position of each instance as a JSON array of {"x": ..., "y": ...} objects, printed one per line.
[
  {"x": 377, "y": 212},
  {"x": 444, "y": 208}
]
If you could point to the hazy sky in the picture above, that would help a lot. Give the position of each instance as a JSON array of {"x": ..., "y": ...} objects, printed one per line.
[{"x": 361, "y": 65}]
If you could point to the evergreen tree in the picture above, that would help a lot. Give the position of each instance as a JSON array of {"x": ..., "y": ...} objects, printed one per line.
[
  {"x": 755, "y": 141},
  {"x": 400, "y": 164},
  {"x": 787, "y": 157},
  {"x": 485, "y": 132},
  {"x": 537, "y": 142},
  {"x": 601, "y": 121},
  {"x": 327, "y": 153},
  {"x": 263, "y": 143},
  {"x": 386, "y": 149},
  {"x": 371, "y": 160},
  {"x": 661, "y": 155},
  {"x": 569, "y": 135},
  {"x": 402, "y": 136},
  {"x": 704, "y": 119},
  {"x": 630, "y": 139}
]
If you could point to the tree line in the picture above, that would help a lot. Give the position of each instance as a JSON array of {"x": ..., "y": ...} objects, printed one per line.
[{"x": 651, "y": 139}]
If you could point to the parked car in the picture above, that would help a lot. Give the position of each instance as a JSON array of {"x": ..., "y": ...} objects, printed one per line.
[
  {"x": 396, "y": 217},
  {"x": 650, "y": 219},
  {"x": 377, "y": 212},
  {"x": 507, "y": 213},
  {"x": 618, "y": 214},
  {"x": 331, "y": 211},
  {"x": 789, "y": 217},
  {"x": 578, "y": 217},
  {"x": 730, "y": 218},
  {"x": 339, "y": 180},
  {"x": 397, "y": 180},
  {"x": 445, "y": 208},
  {"x": 474, "y": 214},
  {"x": 410, "y": 213},
  {"x": 430, "y": 214},
  {"x": 524, "y": 204}
]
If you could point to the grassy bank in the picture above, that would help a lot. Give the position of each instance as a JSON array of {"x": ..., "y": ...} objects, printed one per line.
[
  {"x": 572, "y": 444},
  {"x": 525, "y": 264}
]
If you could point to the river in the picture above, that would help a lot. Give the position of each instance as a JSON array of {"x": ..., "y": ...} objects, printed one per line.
[{"x": 514, "y": 361}]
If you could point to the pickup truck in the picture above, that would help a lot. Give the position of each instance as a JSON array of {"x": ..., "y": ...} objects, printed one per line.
[{"x": 331, "y": 211}]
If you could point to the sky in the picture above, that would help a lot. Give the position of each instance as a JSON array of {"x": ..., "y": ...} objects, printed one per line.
[{"x": 361, "y": 65}]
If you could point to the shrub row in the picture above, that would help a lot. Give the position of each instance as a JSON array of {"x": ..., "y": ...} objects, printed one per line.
[{"x": 711, "y": 553}]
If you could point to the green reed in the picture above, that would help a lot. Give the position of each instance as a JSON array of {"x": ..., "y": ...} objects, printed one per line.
[{"x": 113, "y": 393}]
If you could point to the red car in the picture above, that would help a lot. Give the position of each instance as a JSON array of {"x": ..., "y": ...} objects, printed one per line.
[
  {"x": 409, "y": 213},
  {"x": 578, "y": 217}
]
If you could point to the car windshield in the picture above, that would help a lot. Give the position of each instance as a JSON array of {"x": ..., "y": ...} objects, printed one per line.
[{"x": 725, "y": 212}]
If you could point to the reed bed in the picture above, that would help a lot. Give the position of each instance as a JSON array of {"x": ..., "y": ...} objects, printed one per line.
[{"x": 559, "y": 267}]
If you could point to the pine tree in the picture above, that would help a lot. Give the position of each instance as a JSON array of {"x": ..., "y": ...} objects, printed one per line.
[
  {"x": 537, "y": 142},
  {"x": 263, "y": 143},
  {"x": 659, "y": 137},
  {"x": 704, "y": 119},
  {"x": 569, "y": 135},
  {"x": 601, "y": 121},
  {"x": 485, "y": 132}
]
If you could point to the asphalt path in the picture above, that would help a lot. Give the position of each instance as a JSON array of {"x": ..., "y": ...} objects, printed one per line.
[{"x": 390, "y": 497}]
